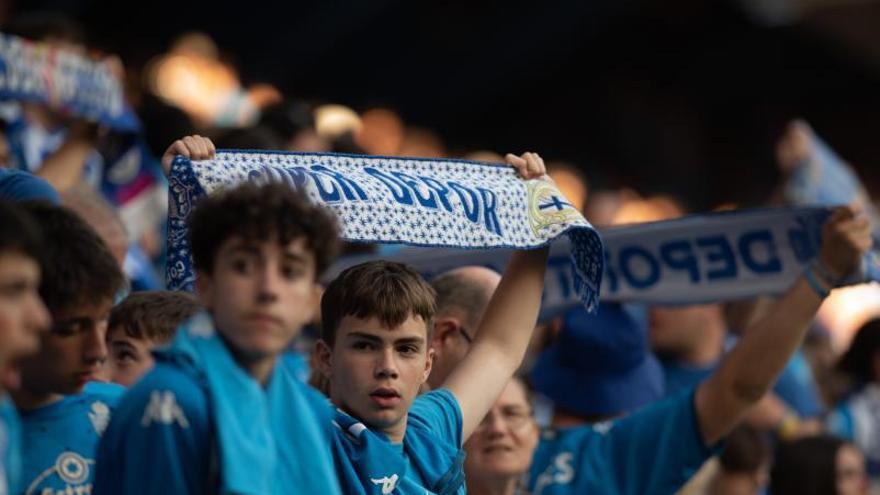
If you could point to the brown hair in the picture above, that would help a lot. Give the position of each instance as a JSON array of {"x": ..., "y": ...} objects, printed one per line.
[
  {"x": 259, "y": 213},
  {"x": 389, "y": 291},
  {"x": 152, "y": 315}
]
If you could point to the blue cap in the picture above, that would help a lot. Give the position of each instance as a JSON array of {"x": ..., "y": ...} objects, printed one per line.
[
  {"x": 18, "y": 185},
  {"x": 600, "y": 364}
]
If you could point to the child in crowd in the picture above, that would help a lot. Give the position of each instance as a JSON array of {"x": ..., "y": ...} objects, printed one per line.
[
  {"x": 64, "y": 411},
  {"x": 138, "y": 324},
  {"x": 375, "y": 351},
  {"x": 22, "y": 318},
  {"x": 219, "y": 413}
]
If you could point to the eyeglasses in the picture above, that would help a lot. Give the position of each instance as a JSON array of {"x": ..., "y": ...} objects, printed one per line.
[
  {"x": 514, "y": 417},
  {"x": 465, "y": 335}
]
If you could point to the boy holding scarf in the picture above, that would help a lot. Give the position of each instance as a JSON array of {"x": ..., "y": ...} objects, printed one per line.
[
  {"x": 219, "y": 413},
  {"x": 375, "y": 351}
]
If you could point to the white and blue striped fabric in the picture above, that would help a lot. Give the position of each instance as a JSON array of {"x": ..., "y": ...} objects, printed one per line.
[
  {"x": 67, "y": 81},
  {"x": 696, "y": 259},
  {"x": 413, "y": 201}
]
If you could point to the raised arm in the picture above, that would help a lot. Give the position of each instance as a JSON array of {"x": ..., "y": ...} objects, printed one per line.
[
  {"x": 750, "y": 369},
  {"x": 506, "y": 327}
]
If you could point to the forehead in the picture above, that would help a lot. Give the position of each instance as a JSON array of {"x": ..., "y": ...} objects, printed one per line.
[
  {"x": 413, "y": 326},
  {"x": 268, "y": 247},
  {"x": 514, "y": 394},
  {"x": 17, "y": 264},
  {"x": 95, "y": 310}
]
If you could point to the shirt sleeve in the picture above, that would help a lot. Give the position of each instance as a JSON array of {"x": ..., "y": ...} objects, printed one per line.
[
  {"x": 159, "y": 440},
  {"x": 657, "y": 449},
  {"x": 438, "y": 411}
]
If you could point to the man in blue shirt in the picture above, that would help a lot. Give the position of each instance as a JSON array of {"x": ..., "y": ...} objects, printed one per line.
[
  {"x": 657, "y": 448},
  {"x": 22, "y": 317},
  {"x": 375, "y": 352},
  {"x": 220, "y": 412},
  {"x": 63, "y": 414}
]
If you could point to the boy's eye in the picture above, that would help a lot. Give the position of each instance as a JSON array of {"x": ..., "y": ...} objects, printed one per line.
[
  {"x": 291, "y": 271},
  {"x": 408, "y": 349},
  {"x": 241, "y": 265},
  {"x": 125, "y": 357},
  {"x": 363, "y": 346}
]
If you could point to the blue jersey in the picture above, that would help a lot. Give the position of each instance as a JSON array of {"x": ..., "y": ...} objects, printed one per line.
[
  {"x": 653, "y": 451},
  {"x": 162, "y": 440},
  {"x": 60, "y": 440},
  {"x": 10, "y": 448},
  {"x": 429, "y": 461},
  {"x": 795, "y": 386}
]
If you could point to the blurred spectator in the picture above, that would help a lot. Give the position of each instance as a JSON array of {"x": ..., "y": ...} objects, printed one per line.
[
  {"x": 819, "y": 465},
  {"x": 857, "y": 417},
  {"x": 744, "y": 464}
]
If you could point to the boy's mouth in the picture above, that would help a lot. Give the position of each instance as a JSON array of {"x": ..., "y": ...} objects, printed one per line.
[{"x": 385, "y": 398}]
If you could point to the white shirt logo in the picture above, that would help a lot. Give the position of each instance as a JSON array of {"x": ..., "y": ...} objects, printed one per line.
[
  {"x": 559, "y": 472},
  {"x": 99, "y": 416},
  {"x": 388, "y": 483},
  {"x": 163, "y": 409}
]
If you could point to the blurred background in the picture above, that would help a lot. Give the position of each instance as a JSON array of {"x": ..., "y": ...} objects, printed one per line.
[{"x": 685, "y": 97}]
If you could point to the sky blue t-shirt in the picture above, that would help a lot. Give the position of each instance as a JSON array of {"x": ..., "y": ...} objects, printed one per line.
[
  {"x": 60, "y": 440},
  {"x": 161, "y": 440},
  {"x": 655, "y": 450},
  {"x": 433, "y": 437},
  {"x": 795, "y": 386},
  {"x": 10, "y": 448}
]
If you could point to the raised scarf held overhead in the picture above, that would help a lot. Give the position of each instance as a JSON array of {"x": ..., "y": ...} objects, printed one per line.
[
  {"x": 66, "y": 81},
  {"x": 419, "y": 202}
]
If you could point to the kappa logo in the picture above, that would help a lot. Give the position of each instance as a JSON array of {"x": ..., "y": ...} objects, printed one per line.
[
  {"x": 388, "y": 483},
  {"x": 547, "y": 206},
  {"x": 164, "y": 410},
  {"x": 99, "y": 416}
]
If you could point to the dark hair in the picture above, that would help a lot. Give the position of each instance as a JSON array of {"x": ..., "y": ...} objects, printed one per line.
[
  {"x": 250, "y": 138},
  {"x": 389, "y": 291},
  {"x": 152, "y": 315},
  {"x": 19, "y": 231},
  {"x": 746, "y": 451},
  {"x": 42, "y": 26},
  {"x": 259, "y": 212},
  {"x": 457, "y": 290},
  {"x": 858, "y": 360},
  {"x": 288, "y": 118},
  {"x": 807, "y": 466},
  {"x": 77, "y": 265}
]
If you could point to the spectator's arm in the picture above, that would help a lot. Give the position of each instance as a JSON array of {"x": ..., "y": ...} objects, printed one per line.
[{"x": 750, "y": 369}]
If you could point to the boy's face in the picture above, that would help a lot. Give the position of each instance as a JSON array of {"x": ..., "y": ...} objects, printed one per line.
[
  {"x": 260, "y": 294},
  {"x": 22, "y": 313},
  {"x": 375, "y": 372},
  {"x": 129, "y": 357},
  {"x": 72, "y": 353}
]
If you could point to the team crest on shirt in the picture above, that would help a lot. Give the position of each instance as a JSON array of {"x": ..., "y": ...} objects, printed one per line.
[
  {"x": 547, "y": 206},
  {"x": 389, "y": 483},
  {"x": 99, "y": 416},
  {"x": 69, "y": 475}
]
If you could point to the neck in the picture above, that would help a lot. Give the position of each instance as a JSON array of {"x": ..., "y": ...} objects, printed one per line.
[
  {"x": 27, "y": 400},
  {"x": 492, "y": 486},
  {"x": 394, "y": 433},
  {"x": 259, "y": 367}
]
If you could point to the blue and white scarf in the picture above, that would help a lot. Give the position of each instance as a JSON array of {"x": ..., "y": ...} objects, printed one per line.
[
  {"x": 696, "y": 259},
  {"x": 420, "y": 202},
  {"x": 34, "y": 71}
]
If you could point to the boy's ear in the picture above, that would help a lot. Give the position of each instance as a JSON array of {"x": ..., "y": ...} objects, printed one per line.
[
  {"x": 323, "y": 358},
  {"x": 429, "y": 363},
  {"x": 204, "y": 288}
]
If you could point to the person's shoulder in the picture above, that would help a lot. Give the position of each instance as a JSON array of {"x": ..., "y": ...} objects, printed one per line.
[
  {"x": 439, "y": 412},
  {"x": 166, "y": 394},
  {"x": 110, "y": 393}
]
